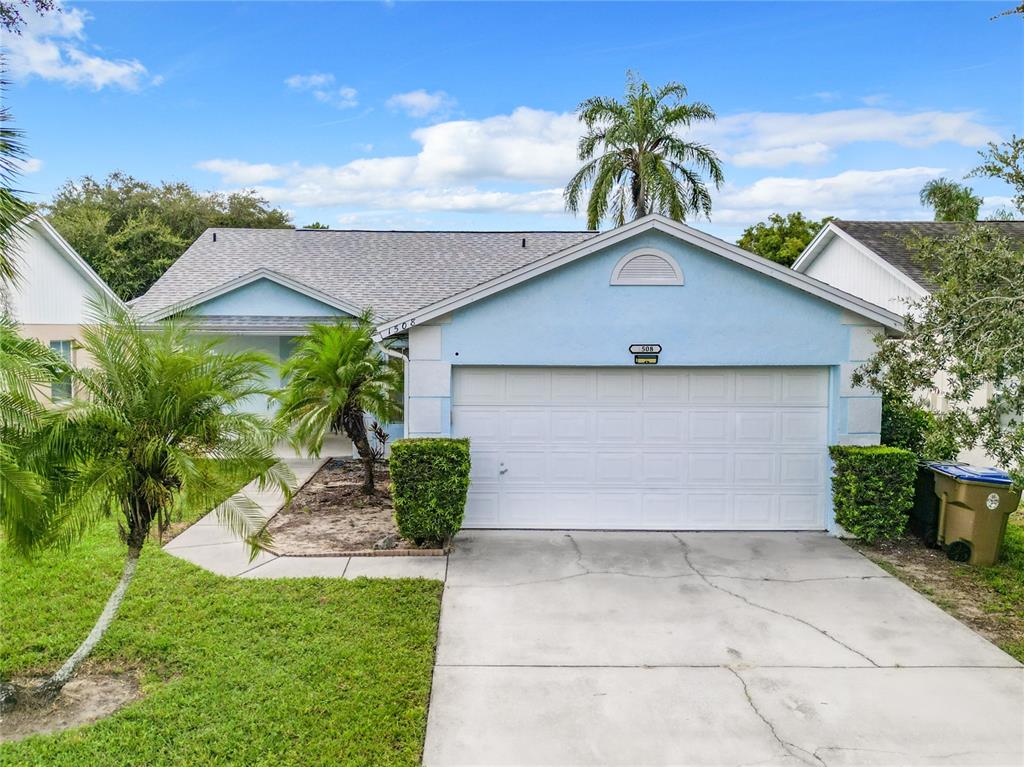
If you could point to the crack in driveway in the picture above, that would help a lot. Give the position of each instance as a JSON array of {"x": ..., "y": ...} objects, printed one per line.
[
  {"x": 792, "y": 749},
  {"x": 745, "y": 600}
]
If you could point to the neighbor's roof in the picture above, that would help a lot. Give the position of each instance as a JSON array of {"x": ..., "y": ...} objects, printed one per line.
[
  {"x": 888, "y": 239},
  {"x": 390, "y": 272}
]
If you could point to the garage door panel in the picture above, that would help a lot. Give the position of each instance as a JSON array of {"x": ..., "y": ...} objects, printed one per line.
[
  {"x": 755, "y": 468},
  {"x": 528, "y": 385},
  {"x": 661, "y": 426},
  {"x": 613, "y": 467},
  {"x": 803, "y": 427},
  {"x": 711, "y": 386},
  {"x": 797, "y": 510},
  {"x": 664, "y": 386},
  {"x": 757, "y": 387},
  {"x": 663, "y": 511},
  {"x": 479, "y": 385},
  {"x": 571, "y": 386},
  {"x": 662, "y": 467},
  {"x": 756, "y": 426},
  {"x": 481, "y": 425},
  {"x": 668, "y": 448},
  {"x": 571, "y": 467},
  {"x": 525, "y": 425},
  {"x": 756, "y": 510},
  {"x": 617, "y": 426},
  {"x": 710, "y": 426},
  {"x": 481, "y": 509}
]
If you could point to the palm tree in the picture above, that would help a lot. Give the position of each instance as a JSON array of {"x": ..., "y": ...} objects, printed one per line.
[
  {"x": 157, "y": 434},
  {"x": 636, "y": 162},
  {"x": 337, "y": 375},
  {"x": 12, "y": 208},
  {"x": 951, "y": 201},
  {"x": 24, "y": 365}
]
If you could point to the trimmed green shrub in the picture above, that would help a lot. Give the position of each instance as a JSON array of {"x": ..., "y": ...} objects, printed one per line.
[
  {"x": 429, "y": 481},
  {"x": 872, "y": 489},
  {"x": 911, "y": 427}
]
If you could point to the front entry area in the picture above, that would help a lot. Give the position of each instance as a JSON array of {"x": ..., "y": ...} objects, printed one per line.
[{"x": 668, "y": 448}]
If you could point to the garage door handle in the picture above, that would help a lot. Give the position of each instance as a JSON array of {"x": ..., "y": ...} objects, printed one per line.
[{"x": 503, "y": 469}]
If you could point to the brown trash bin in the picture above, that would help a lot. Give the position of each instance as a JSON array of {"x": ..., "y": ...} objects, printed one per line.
[{"x": 974, "y": 504}]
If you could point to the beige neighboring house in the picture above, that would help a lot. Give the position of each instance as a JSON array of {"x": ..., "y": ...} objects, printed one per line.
[
  {"x": 872, "y": 260},
  {"x": 50, "y": 301}
]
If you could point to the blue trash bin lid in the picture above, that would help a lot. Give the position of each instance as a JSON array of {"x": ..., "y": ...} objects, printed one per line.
[{"x": 967, "y": 473}]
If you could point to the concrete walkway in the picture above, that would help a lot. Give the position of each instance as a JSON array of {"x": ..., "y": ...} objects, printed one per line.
[
  {"x": 214, "y": 547},
  {"x": 585, "y": 648}
]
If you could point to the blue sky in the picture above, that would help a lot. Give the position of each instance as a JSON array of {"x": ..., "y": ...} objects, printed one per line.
[{"x": 431, "y": 115}]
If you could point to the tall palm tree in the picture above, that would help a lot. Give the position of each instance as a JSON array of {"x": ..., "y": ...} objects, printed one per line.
[
  {"x": 635, "y": 160},
  {"x": 156, "y": 433},
  {"x": 951, "y": 201},
  {"x": 336, "y": 376}
]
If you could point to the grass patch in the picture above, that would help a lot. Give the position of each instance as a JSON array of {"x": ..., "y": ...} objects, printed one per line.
[{"x": 288, "y": 672}]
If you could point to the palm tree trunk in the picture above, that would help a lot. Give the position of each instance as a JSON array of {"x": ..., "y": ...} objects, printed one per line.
[
  {"x": 354, "y": 423},
  {"x": 51, "y": 688}
]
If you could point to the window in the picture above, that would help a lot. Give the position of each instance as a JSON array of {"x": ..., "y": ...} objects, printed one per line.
[
  {"x": 647, "y": 267},
  {"x": 60, "y": 390}
]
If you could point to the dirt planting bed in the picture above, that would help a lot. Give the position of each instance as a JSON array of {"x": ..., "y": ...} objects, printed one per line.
[{"x": 331, "y": 515}]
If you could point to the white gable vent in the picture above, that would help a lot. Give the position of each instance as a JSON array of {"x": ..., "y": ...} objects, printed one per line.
[{"x": 647, "y": 267}]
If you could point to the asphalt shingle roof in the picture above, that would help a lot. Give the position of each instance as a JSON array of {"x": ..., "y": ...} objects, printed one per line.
[
  {"x": 888, "y": 239},
  {"x": 392, "y": 272}
]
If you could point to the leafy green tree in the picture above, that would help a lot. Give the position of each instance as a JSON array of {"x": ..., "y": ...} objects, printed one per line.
[
  {"x": 130, "y": 231},
  {"x": 782, "y": 238},
  {"x": 316, "y": 225},
  {"x": 157, "y": 434},
  {"x": 1005, "y": 162},
  {"x": 634, "y": 160},
  {"x": 335, "y": 376},
  {"x": 968, "y": 332},
  {"x": 951, "y": 201}
]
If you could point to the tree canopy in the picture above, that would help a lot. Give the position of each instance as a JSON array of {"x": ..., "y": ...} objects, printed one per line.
[
  {"x": 635, "y": 161},
  {"x": 781, "y": 238},
  {"x": 131, "y": 231},
  {"x": 1006, "y": 162},
  {"x": 969, "y": 335},
  {"x": 951, "y": 201}
]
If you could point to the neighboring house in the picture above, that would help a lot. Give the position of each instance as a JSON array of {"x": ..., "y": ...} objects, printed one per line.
[
  {"x": 50, "y": 300},
  {"x": 874, "y": 261},
  {"x": 719, "y": 418}
]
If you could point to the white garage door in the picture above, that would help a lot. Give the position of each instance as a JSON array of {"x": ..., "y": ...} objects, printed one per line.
[{"x": 644, "y": 449}]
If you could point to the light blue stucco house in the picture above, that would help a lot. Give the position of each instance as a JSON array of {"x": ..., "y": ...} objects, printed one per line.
[{"x": 648, "y": 377}]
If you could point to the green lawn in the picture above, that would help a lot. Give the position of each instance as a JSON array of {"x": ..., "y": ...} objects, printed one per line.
[
  {"x": 1006, "y": 578},
  {"x": 235, "y": 672}
]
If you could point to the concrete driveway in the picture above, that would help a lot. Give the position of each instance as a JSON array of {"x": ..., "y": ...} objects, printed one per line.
[{"x": 591, "y": 648}]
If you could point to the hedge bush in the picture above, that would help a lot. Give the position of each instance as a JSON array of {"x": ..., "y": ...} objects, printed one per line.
[
  {"x": 429, "y": 481},
  {"x": 914, "y": 428},
  {"x": 873, "y": 489}
]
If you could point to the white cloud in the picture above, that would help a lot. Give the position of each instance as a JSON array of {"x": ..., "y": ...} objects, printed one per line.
[
  {"x": 30, "y": 165},
  {"x": 891, "y": 193},
  {"x": 874, "y": 99},
  {"x": 51, "y": 47},
  {"x": 420, "y": 103},
  {"x": 774, "y": 139},
  {"x": 518, "y": 162},
  {"x": 322, "y": 86},
  {"x": 242, "y": 173}
]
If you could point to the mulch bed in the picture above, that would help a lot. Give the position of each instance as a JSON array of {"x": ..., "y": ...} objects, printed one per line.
[
  {"x": 953, "y": 586},
  {"x": 331, "y": 516}
]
